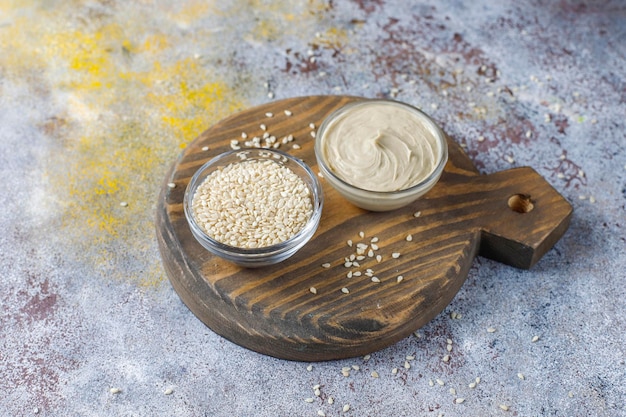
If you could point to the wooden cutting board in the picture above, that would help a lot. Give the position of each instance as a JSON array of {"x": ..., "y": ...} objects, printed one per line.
[{"x": 513, "y": 216}]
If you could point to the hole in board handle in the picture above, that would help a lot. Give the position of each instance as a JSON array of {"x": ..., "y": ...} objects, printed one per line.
[{"x": 521, "y": 203}]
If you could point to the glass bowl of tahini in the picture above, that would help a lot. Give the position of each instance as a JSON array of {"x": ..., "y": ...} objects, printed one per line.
[
  {"x": 253, "y": 207},
  {"x": 380, "y": 154}
]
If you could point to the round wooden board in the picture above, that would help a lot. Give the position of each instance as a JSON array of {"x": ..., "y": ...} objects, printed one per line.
[{"x": 512, "y": 216}]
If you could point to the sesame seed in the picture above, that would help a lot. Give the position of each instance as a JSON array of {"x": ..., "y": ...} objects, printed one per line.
[
  {"x": 362, "y": 234},
  {"x": 399, "y": 278},
  {"x": 171, "y": 185},
  {"x": 124, "y": 204},
  {"x": 296, "y": 146},
  {"x": 449, "y": 341},
  {"x": 374, "y": 246},
  {"x": 312, "y": 125},
  {"x": 431, "y": 383},
  {"x": 394, "y": 371},
  {"x": 288, "y": 113},
  {"x": 510, "y": 159},
  {"x": 345, "y": 373},
  {"x": 349, "y": 274},
  {"x": 313, "y": 133},
  {"x": 168, "y": 391},
  {"x": 521, "y": 376},
  {"x": 449, "y": 348},
  {"x": 417, "y": 214},
  {"x": 349, "y": 243},
  {"x": 347, "y": 264},
  {"x": 270, "y": 95},
  {"x": 534, "y": 339},
  {"x": 326, "y": 265},
  {"x": 592, "y": 199},
  {"x": 115, "y": 390},
  {"x": 317, "y": 392},
  {"x": 367, "y": 357},
  {"x": 375, "y": 279},
  {"x": 529, "y": 133},
  {"x": 504, "y": 407},
  {"x": 409, "y": 238},
  {"x": 321, "y": 413},
  {"x": 374, "y": 240},
  {"x": 205, "y": 148},
  {"x": 370, "y": 253},
  {"x": 308, "y": 400},
  {"x": 309, "y": 368},
  {"x": 440, "y": 382},
  {"x": 356, "y": 367},
  {"x": 478, "y": 380},
  {"x": 331, "y": 400},
  {"x": 490, "y": 330},
  {"x": 345, "y": 290},
  {"x": 459, "y": 400},
  {"x": 395, "y": 255},
  {"x": 374, "y": 374},
  {"x": 379, "y": 258},
  {"x": 570, "y": 394},
  {"x": 472, "y": 385},
  {"x": 269, "y": 114},
  {"x": 481, "y": 139},
  {"x": 446, "y": 358},
  {"x": 560, "y": 175},
  {"x": 263, "y": 127},
  {"x": 407, "y": 365},
  {"x": 452, "y": 391},
  {"x": 346, "y": 408},
  {"x": 313, "y": 290}
]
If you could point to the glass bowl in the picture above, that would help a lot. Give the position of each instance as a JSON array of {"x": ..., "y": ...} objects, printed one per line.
[
  {"x": 381, "y": 200},
  {"x": 267, "y": 255}
]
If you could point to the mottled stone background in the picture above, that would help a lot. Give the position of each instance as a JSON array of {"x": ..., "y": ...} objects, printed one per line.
[{"x": 97, "y": 99}]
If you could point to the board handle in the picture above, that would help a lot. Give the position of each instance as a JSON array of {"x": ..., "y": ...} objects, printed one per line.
[{"x": 518, "y": 215}]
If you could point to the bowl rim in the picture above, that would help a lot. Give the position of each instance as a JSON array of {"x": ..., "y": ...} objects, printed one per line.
[
  {"x": 317, "y": 200},
  {"x": 433, "y": 176}
]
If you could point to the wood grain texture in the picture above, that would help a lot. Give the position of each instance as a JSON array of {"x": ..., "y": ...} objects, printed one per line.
[{"x": 272, "y": 311}]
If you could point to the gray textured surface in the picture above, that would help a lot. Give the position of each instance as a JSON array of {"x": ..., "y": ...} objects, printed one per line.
[{"x": 97, "y": 99}]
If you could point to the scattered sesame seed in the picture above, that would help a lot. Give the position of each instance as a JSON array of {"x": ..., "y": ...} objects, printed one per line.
[
  {"x": 472, "y": 385},
  {"x": 449, "y": 348},
  {"x": 349, "y": 243},
  {"x": 356, "y": 273},
  {"x": 394, "y": 371},
  {"x": 367, "y": 357},
  {"x": 347, "y": 264},
  {"x": 570, "y": 394},
  {"x": 534, "y": 339},
  {"x": 309, "y": 368},
  {"x": 308, "y": 400},
  {"x": 481, "y": 139},
  {"x": 478, "y": 380},
  {"x": 171, "y": 185},
  {"x": 521, "y": 376},
  {"x": 409, "y": 238},
  {"x": 452, "y": 391},
  {"x": 490, "y": 330},
  {"x": 440, "y": 382},
  {"x": 374, "y": 374},
  {"x": 459, "y": 400},
  {"x": 349, "y": 274},
  {"x": 296, "y": 146},
  {"x": 270, "y": 95},
  {"x": 313, "y": 290},
  {"x": 510, "y": 159},
  {"x": 321, "y": 413},
  {"x": 205, "y": 148},
  {"x": 529, "y": 133},
  {"x": 370, "y": 253},
  {"x": 379, "y": 258},
  {"x": 582, "y": 197},
  {"x": 431, "y": 383},
  {"x": 345, "y": 290},
  {"x": 374, "y": 240},
  {"x": 263, "y": 127},
  {"x": 560, "y": 175},
  {"x": 115, "y": 390},
  {"x": 312, "y": 125},
  {"x": 375, "y": 279},
  {"x": 331, "y": 400},
  {"x": 374, "y": 246},
  {"x": 592, "y": 199},
  {"x": 399, "y": 278},
  {"x": 288, "y": 113},
  {"x": 395, "y": 255},
  {"x": 446, "y": 358},
  {"x": 504, "y": 407},
  {"x": 313, "y": 133},
  {"x": 417, "y": 214},
  {"x": 269, "y": 114},
  {"x": 168, "y": 391},
  {"x": 124, "y": 204},
  {"x": 346, "y": 408},
  {"x": 326, "y": 265},
  {"x": 407, "y": 365},
  {"x": 345, "y": 373},
  {"x": 317, "y": 392},
  {"x": 356, "y": 367}
]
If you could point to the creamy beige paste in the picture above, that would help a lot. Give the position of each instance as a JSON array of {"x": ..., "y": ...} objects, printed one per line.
[{"x": 381, "y": 146}]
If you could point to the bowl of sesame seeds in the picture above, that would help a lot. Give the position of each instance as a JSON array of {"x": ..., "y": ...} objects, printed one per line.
[{"x": 253, "y": 207}]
